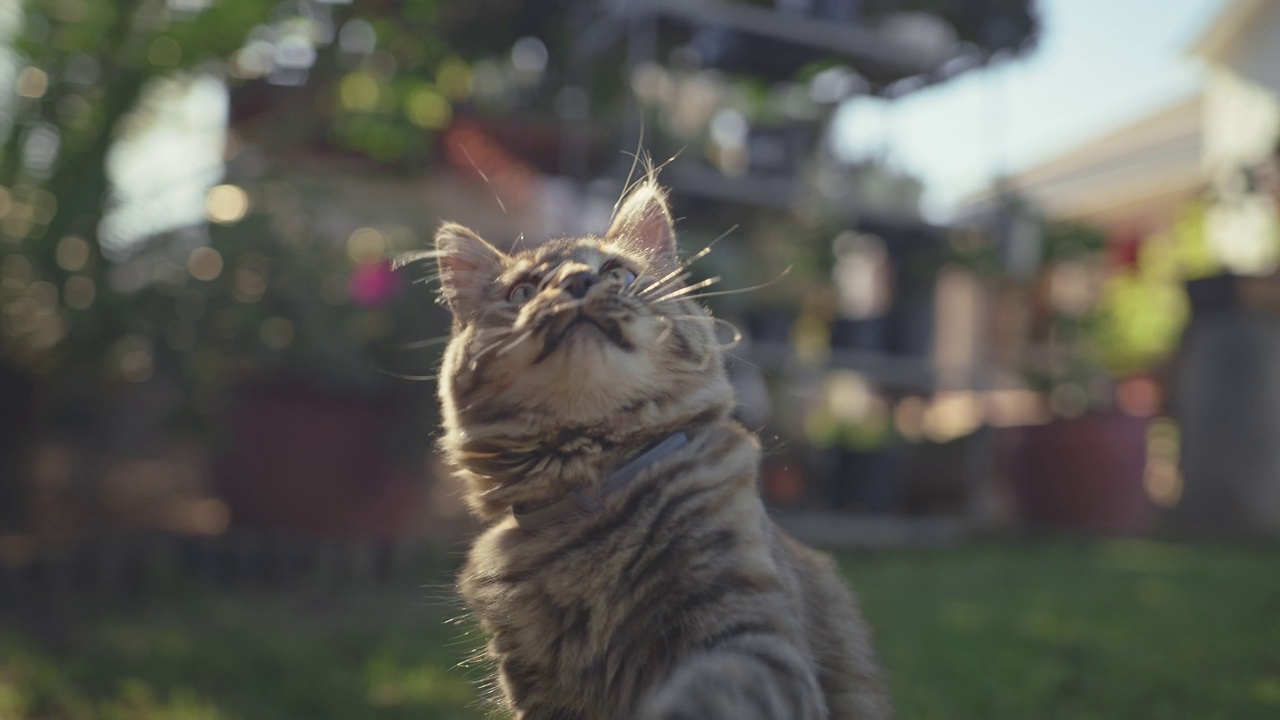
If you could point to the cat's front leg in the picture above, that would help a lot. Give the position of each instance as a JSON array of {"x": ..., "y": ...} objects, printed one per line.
[{"x": 751, "y": 677}]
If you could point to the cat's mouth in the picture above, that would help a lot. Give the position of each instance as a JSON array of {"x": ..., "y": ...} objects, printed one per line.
[{"x": 582, "y": 323}]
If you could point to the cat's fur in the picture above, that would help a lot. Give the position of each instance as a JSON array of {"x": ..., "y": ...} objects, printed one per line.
[{"x": 678, "y": 597}]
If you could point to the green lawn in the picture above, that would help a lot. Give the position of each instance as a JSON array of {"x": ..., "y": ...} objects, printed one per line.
[
  {"x": 1107, "y": 629},
  {"x": 1113, "y": 629}
]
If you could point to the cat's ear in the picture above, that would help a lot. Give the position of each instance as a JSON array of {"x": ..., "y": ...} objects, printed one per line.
[
  {"x": 468, "y": 265},
  {"x": 643, "y": 223}
]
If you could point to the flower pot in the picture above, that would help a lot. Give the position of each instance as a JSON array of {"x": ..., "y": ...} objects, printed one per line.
[
  {"x": 305, "y": 461},
  {"x": 1082, "y": 474}
]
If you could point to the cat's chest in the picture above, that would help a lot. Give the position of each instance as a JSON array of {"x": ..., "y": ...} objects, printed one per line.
[
  {"x": 576, "y": 619},
  {"x": 562, "y": 596}
]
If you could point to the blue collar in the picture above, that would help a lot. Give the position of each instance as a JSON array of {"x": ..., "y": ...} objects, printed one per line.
[{"x": 575, "y": 502}]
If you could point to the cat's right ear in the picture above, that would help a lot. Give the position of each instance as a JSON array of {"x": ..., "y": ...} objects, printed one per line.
[
  {"x": 643, "y": 223},
  {"x": 468, "y": 265}
]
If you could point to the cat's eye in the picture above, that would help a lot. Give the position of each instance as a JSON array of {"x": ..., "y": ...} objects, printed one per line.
[
  {"x": 521, "y": 293},
  {"x": 614, "y": 270}
]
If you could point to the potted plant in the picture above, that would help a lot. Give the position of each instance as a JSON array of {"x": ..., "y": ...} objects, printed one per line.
[{"x": 1084, "y": 468}]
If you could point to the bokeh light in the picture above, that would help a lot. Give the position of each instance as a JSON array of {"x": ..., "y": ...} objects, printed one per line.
[
  {"x": 359, "y": 92},
  {"x": 1162, "y": 478},
  {"x": 248, "y": 285},
  {"x": 204, "y": 263},
  {"x": 454, "y": 78},
  {"x": 72, "y": 253},
  {"x": 134, "y": 358},
  {"x": 226, "y": 204},
  {"x": 366, "y": 245},
  {"x": 428, "y": 109},
  {"x": 32, "y": 83}
]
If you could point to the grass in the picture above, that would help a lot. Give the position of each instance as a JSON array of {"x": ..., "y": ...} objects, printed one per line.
[
  {"x": 246, "y": 656},
  {"x": 1111, "y": 629},
  {"x": 1104, "y": 629}
]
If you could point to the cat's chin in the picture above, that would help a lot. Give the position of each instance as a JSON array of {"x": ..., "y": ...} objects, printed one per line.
[
  {"x": 587, "y": 376},
  {"x": 584, "y": 333}
]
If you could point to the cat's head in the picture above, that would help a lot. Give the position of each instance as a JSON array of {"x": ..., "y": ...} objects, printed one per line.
[{"x": 574, "y": 337}]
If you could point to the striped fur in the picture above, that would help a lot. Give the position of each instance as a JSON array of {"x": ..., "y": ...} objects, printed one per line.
[{"x": 678, "y": 598}]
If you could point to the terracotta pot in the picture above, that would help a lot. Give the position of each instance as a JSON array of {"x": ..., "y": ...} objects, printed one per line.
[
  {"x": 304, "y": 461},
  {"x": 1081, "y": 474}
]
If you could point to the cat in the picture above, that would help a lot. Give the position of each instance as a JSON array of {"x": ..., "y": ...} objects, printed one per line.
[{"x": 629, "y": 569}]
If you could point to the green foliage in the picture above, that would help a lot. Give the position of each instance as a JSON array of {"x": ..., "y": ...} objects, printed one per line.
[
  {"x": 110, "y": 43},
  {"x": 1140, "y": 315},
  {"x": 1071, "y": 241},
  {"x": 1138, "y": 322},
  {"x": 1190, "y": 253},
  {"x": 119, "y": 47},
  {"x": 1143, "y": 311}
]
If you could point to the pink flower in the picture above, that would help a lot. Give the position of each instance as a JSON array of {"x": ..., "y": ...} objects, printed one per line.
[{"x": 372, "y": 284}]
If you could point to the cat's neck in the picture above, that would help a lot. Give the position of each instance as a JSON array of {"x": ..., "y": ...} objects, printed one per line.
[{"x": 541, "y": 469}]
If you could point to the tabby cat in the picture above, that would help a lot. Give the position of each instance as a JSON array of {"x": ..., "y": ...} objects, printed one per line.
[{"x": 629, "y": 569}]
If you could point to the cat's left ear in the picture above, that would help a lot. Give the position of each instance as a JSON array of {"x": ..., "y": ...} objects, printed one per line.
[
  {"x": 468, "y": 265},
  {"x": 643, "y": 223}
]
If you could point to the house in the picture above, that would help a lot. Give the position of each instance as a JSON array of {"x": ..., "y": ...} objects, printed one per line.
[
  {"x": 1217, "y": 146},
  {"x": 1229, "y": 361},
  {"x": 1241, "y": 49},
  {"x": 1129, "y": 180}
]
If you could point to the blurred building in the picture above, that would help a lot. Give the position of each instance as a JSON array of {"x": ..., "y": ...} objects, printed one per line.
[
  {"x": 1130, "y": 181},
  {"x": 1186, "y": 199},
  {"x": 1229, "y": 360}
]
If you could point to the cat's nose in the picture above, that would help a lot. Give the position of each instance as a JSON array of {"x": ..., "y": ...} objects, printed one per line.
[{"x": 577, "y": 284}]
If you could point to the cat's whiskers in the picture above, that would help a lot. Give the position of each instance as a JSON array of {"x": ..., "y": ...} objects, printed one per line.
[
  {"x": 482, "y": 174},
  {"x": 735, "y": 291},
  {"x": 480, "y": 400},
  {"x": 475, "y": 359},
  {"x": 401, "y": 376},
  {"x": 441, "y": 340},
  {"x": 664, "y": 283},
  {"x": 666, "y": 330},
  {"x": 685, "y": 290},
  {"x": 650, "y": 172},
  {"x": 635, "y": 160},
  {"x": 412, "y": 256},
  {"x": 512, "y": 345},
  {"x": 671, "y": 277},
  {"x": 737, "y": 334},
  {"x": 744, "y": 361}
]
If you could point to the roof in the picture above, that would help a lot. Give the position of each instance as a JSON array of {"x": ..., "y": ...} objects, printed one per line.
[
  {"x": 1142, "y": 166},
  {"x": 1226, "y": 27}
]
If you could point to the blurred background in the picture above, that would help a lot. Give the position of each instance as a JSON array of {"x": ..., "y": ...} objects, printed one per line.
[{"x": 1013, "y": 351}]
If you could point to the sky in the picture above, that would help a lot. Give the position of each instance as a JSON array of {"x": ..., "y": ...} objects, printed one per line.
[{"x": 1099, "y": 63}]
